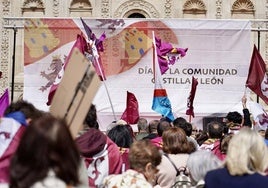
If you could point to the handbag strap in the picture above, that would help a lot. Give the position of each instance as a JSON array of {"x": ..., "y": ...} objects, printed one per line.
[{"x": 177, "y": 170}]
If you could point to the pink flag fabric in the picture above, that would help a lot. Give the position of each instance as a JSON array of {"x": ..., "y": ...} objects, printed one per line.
[
  {"x": 190, "y": 100},
  {"x": 167, "y": 54},
  {"x": 4, "y": 102},
  {"x": 257, "y": 79},
  {"x": 81, "y": 45},
  {"x": 131, "y": 113},
  {"x": 96, "y": 46}
]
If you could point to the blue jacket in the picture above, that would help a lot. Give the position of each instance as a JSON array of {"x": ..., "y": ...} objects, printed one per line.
[{"x": 220, "y": 178}]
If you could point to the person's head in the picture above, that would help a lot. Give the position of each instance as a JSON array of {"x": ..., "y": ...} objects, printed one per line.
[
  {"x": 247, "y": 153},
  {"x": 162, "y": 126},
  {"x": 142, "y": 125},
  {"x": 26, "y": 108},
  {"x": 215, "y": 129},
  {"x": 91, "y": 117},
  {"x": 200, "y": 162},
  {"x": 121, "y": 135},
  {"x": 175, "y": 141},
  {"x": 225, "y": 143},
  {"x": 187, "y": 127},
  {"x": 234, "y": 117},
  {"x": 201, "y": 137},
  {"x": 46, "y": 145},
  {"x": 144, "y": 157},
  {"x": 153, "y": 126},
  {"x": 179, "y": 121}
]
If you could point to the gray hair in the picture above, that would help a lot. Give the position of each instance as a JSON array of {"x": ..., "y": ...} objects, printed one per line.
[{"x": 200, "y": 162}]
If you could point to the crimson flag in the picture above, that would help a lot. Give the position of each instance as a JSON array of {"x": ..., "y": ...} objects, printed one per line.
[
  {"x": 131, "y": 113},
  {"x": 190, "y": 100},
  {"x": 257, "y": 79},
  {"x": 4, "y": 102},
  {"x": 81, "y": 45}
]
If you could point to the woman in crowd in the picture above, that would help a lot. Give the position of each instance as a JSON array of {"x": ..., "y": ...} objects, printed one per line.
[
  {"x": 144, "y": 157},
  {"x": 177, "y": 150},
  {"x": 46, "y": 156},
  {"x": 123, "y": 138},
  {"x": 245, "y": 163},
  {"x": 199, "y": 163}
]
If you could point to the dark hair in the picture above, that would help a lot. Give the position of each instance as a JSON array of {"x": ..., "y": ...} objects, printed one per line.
[
  {"x": 46, "y": 145},
  {"x": 201, "y": 137},
  {"x": 186, "y": 126},
  {"x": 234, "y": 117},
  {"x": 91, "y": 118},
  {"x": 175, "y": 141},
  {"x": 162, "y": 126},
  {"x": 121, "y": 135},
  {"x": 27, "y": 108},
  {"x": 215, "y": 129},
  {"x": 179, "y": 121}
]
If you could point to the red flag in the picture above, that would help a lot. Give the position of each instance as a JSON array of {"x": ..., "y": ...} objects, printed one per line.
[
  {"x": 4, "y": 102},
  {"x": 81, "y": 45},
  {"x": 190, "y": 100},
  {"x": 131, "y": 113},
  {"x": 257, "y": 79}
]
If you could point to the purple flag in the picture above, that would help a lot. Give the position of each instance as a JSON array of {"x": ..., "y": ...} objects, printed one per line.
[
  {"x": 167, "y": 55},
  {"x": 96, "y": 47},
  {"x": 4, "y": 102}
]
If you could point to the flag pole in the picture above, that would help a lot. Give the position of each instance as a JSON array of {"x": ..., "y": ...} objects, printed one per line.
[
  {"x": 190, "y": 118},
  {"x": 104, "y": 83}
]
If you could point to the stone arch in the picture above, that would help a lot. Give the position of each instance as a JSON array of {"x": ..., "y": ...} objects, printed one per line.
[
  {"x": 137, "y": 12},
  {"x": 33, "y": 6},
  {"x": 134, "y": 6},
  {"x": 136, "y": 15},
  {"x": 243, "y": 7},
  {"x": 80, "y": 8},
  {"x": 80, "y": 4},
  {"x": 194, "y": 7}
]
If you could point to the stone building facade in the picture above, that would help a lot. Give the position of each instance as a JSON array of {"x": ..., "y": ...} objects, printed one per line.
[{"x": 13, "y": 12}]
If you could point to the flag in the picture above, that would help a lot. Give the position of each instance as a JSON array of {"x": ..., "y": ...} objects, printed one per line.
[
  {"x": 259, "y": 115},
  {"x": 161, "y": 103},
  {"x": 96, "y": 46},
  {"x": 167, "y": 55},
  {"x": 81, "y": 45},
  {"x": 257, "y": 79},
  {"x": 190, "y": 100},
  {"x": 131, "y": 113},
  {"x": 4, "y": 102}
]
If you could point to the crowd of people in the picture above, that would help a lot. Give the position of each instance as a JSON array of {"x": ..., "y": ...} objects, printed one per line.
[{"x": 37, "y": 150}]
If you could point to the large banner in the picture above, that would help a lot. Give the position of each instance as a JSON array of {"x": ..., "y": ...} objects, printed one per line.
[{"x": 218, "y": 56}]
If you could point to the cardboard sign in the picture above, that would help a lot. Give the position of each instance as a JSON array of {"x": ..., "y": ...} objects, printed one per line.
[{"x": 76, "y": 91}]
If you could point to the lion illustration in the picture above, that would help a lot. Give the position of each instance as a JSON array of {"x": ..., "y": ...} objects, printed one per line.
[{"x": 55, "y": 67}]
